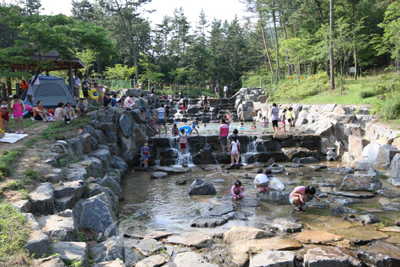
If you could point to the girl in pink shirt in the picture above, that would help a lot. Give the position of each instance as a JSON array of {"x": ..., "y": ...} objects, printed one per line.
[
  {"x": 237, "y": 190},
  {"x": 298, "y": 196}
]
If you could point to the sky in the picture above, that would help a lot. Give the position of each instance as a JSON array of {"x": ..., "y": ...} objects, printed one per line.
[{"x": 220, "y": 9}]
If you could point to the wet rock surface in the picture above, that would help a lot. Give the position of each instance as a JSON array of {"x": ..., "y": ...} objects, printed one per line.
[
  {"x": 331, "y": 256},
  {"x": 200, "y": 187}
]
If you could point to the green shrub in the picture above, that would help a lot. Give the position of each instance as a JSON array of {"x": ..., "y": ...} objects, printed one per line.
[
  {"x": 31, "y": 174},
  {"x": 15, "y": 185},
  {"x": 390, "y": 108},
  {"x": 366, "y": 94}
]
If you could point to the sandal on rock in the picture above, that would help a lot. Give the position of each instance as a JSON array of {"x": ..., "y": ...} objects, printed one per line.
[
  {"x": 303, "y": 209},
  {"x": 297, "y": 208}
]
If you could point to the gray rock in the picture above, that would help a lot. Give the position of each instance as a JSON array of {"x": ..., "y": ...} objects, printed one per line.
[
  {"x": 394, "y": 182},
  {"x": 125, "y": 124},
  {"x": 171, "y": 170},
  {"x": 387, "y": 206},
  {"x": 191, "y": 239},
  {"x": 274, "y": 259},
  {"x": 318, "y": 167},
  {"x": 94, "y": 167},
  {"x": 380, "y": 254},
  {"x": 361, "y": 182},
  {"x": 72, "y": 251},
  {"x": 38, "y": 244},
  {"x": 238, "y": 215},
  {"x": 68, "y": 194},
  {"x": 112, "y": 197},
  {"x": 352, "y": 194},
  {"x": 86, "y": 140},
  {"x": 384, "y": 156},
  {"x": 132, "y": 256},
  {"x": 247, "y": 202},
  {"x": 56, "y": 176},
  {"x": 221, "y": 210},
  {"x": 347, "y": 201},
  {"x": 306, "y": 160},
  {"x": 272, "y": 196},
  {"x": 388, "y": 192},
  {"x": 204, "y": 156},
  {"x": 21, "y": 205},
  {"x": 294, "y": 165},
  {"x": 208, "y": 221},
  {"x": 331, "y": 256},
  {"x": 118, "y": 163},
  {"x": 159, "y": 175},
  {"x": 58, "y": 228},
  {"x": 42, "y": 199},
  {"x": 109, "y": 182},
  {"x": 75, "y": 174},
  {"x": 270, "y": 162},
  {"x": 323, "y": 195},
  {"x": 368, "y": 219},
  {"x": 339, "y": 210},
  {"x": 342, "y": 170},
  {"x": 363, "y": 165},
  {"x": 154, "y": 260},
  {"x": 186, "y": 259},
  {"x": 96, "y": 213},
  {"x": 114, "y": 263},
  {"x": 103, "y": 155},
  {"x": 285, "y": 225},
  {"x": 181, "y": 182},
  {"x": 218, "y": 181},
  {"x": 395, "y": 167},
  {"x": 109, "y": 250},
  {"x": 148, "y": 246},
  {"x": 200, "y": 187}
]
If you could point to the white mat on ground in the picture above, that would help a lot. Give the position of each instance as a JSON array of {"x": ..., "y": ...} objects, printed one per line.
[{"x": 12, "y": 137}]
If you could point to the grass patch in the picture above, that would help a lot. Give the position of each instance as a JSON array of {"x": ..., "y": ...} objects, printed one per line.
[
  {"x": 31, "y": 174},
  {"x": 27, "y": 123},
  {"x": 31, "y": 142},
  {"x": 14, "y": 233},
  {"x": 60, "y": 130},
  {"x": 15, "y": 185},
  {"x": 7, "y": 160}
]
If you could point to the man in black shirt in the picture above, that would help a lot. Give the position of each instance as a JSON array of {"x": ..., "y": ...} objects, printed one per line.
[{"x": 85, "y": 89}]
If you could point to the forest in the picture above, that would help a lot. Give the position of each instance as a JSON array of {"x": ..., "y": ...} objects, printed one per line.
[{"x": 282, "y": 39}]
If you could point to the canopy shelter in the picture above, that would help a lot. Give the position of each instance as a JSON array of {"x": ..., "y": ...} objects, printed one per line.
[
  {"x": 59, "y": 64},
  {"x": 51, "y": 91}
]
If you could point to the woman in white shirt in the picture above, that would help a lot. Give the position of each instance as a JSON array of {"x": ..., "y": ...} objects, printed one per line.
[{"x": 262, "y": 179}]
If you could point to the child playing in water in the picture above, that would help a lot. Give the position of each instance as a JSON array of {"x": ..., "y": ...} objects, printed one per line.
[
  {"x": 237, "y": 190},
  {"x": 283, "y": 119},
  {"x": 242, "y": 125},
  {"x": 253, "y": 126},
  {"x": 146, "y": 155},
  {"x": 175, "y": 131},
  {"x": 262, "y": 179},
  {"x": 298, "y": 196},
  {"x": 235, "y": 147},
  {"x": 193, "y": 125},
  {"x": 264, "y": 123},
  {"x": 17, "y": 107},
  {"x": 183, "y": 141},
  {"x": 290, "y": 117}
]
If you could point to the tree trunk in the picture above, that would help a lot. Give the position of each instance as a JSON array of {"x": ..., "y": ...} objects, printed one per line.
[
  {"x": 278, "y": 71},
  {"x": 265, "y": 41},
  {"x": 283, "y": 26},
  {"x": 355, "y": 62},
  {"x": 331, "y": 46},
  {"x": 341, "y": 77}
]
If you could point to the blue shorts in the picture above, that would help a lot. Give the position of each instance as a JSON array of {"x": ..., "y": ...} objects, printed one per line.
[{"x": 291, "y": 200}]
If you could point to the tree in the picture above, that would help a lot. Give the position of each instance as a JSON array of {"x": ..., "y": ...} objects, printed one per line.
[{"x": 119, "y": 72}]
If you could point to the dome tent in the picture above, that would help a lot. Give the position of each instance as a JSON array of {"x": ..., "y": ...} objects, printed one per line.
[{"x": 51, "y": 91}]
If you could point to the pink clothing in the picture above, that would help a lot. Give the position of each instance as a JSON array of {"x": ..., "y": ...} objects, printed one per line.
[
  {"x": 237, "y": 191},
  {"x": 17, "y": 110},
  {"x": 59, "y": 114},
  {"x": 224, "y": 129},
  {"x": 300, "y": 190},
  {"x": 234, "y": 152}
]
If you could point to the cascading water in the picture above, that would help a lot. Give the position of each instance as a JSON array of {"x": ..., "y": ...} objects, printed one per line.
[
  {"x": 184, "y": 159},
  {"x": 251, "y": 150}
]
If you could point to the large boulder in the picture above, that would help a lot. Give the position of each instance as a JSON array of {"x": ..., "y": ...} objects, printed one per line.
[
  {"x": 51, "y": 261},
  {"x": 371, "y": 151},
  {"x": 331, "y": 256},
  {"x": 186, "y": 259},
  {"x": 96, "y": 213},
  {"x": 72, "y": 251},
  {"x": 395, "y": 167},
  {"x": 68, "y": 194},
  {"x": 59, "y": 228},
  {"x": 191, "y": 239},
  {"x": 148, "y": 246},
  {"x": 200, "y": 187},
  {"x": 104, "y": 155},
  {"x": 42, "y": 199},
  {"x": 361, "y": 182},
  {"x": 356, "y": 145},
  {"x": 38, "y": 244},
  {"x": 272, "y": 196},
  {"x": 243, "y": 233},
  {"x": 109, "y": 182},
  {"x": 380, "y": 254},
  {"x": 384, "y": 156},
  {"x": 109, "y": 250}
]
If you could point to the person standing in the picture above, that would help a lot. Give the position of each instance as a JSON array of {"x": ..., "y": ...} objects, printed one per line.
[
  {"x": 142, "y": 105},
  {"x": 223, "y": 134},
  {"x": 161, "y": 120},
  {"x": 146, "y": 155},
  {"x": 217, "y": 91},
  {"x": 235, "y": 147},
  {"x": 183, "y": 141},
  {"x": 17, "y": 107},
  {"x": 290, "y": 117},
  {"x": 275, "y": 117},
  {"x": 77, "y": 83},
  {"x": 226, "y": 91},
  {"x": 85, "y": 89}
]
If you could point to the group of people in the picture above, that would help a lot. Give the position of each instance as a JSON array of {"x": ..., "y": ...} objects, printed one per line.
[{"x": 297, "y": 197}]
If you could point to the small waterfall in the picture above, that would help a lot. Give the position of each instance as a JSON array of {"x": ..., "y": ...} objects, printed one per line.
[
  {"x": 183, "y": 159},
  {"x": 251, "y": 150}
]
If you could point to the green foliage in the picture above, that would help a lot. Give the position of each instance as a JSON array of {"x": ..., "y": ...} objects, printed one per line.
[
  {"x": 75, "y": 263},
  {"x": 30, "y": 173},
  {"x": 31, "y": 142},
  {"x": 5, "y": 152},
  {"x": 391, "y": 25},
  {"x": 390, "y": 108},
  {"x": 119, "y": 72},
  {"x": 60, "y": 130},
  {"x": 14, "y": 233},
  {"x": 7, "y": 160},
  {"x": 15, "y": 185},
  {"x": 366, "y": 94},
  {"x": 81, "y": 237}
]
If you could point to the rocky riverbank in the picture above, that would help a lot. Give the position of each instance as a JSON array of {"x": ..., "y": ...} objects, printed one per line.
[{"x": 76, "y": 213}]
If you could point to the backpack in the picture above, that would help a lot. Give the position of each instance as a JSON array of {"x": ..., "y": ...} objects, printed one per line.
[{"x": 24, "y": 85}]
